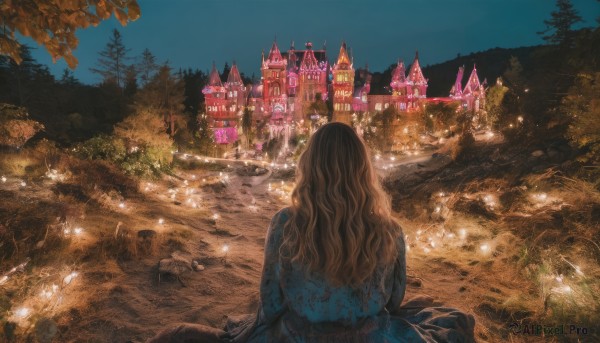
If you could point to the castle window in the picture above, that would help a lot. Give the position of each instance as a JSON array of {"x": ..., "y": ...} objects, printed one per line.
[
  {"x": 378, "y": 106},
  {"x": 386, "y": 105}
]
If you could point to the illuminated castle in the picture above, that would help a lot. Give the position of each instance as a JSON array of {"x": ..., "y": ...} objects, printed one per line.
[{"x": 291, "y": 81}]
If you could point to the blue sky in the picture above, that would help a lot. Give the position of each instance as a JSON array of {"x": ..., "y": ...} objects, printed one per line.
[{"x": 194, "y": 33}]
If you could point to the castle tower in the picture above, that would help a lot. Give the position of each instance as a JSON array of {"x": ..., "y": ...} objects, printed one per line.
[
  {"x": 456, "y": 91},
  {"x": 220, "y": 119},
  {"x": 474, "y": 92},
  {"x": 399, "y": 87},
  {"x": 343, "y": 87},
  {"x": 312, "y": 79},
  {"x": 274, "y": 83},
  {"x": 416, "y": 85},
  {"x": 235, "y": 91}
]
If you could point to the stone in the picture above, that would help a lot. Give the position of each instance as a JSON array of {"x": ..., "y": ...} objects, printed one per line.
[
  {"x": 175, "y": 266},
  {"x": 197, "y": 267},
  {"x": 537, "y": 153}
]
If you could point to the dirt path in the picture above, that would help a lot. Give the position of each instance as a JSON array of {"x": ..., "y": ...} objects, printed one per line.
[{"x": 123, "y": 300}]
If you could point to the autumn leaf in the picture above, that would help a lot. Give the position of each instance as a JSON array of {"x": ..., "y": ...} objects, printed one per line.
[{"x": 133, "y": 10}]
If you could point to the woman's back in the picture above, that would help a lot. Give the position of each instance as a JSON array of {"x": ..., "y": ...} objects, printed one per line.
[{"x": 311, "y": 295}]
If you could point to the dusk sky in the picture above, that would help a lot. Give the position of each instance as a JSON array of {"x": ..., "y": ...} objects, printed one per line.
[{"x": 194, "y": 33}]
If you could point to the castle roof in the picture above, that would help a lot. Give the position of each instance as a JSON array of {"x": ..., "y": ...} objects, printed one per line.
[
  {"x": 309, "y": 61},
  {"x": 275, "y": 59},
  {"x": 214, "y": 78},
  {"x": 456, "y": 90},
  {"x": 234, "y": 77},
  {"x": 398, "y": 75},
  {"x": 343, "y": 61},
  {"x": 473, "y": 83},
  {"x": 415, "y": 75}
]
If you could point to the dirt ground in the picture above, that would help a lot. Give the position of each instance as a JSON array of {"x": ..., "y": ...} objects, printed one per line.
[{"x": 219, "y": 220}]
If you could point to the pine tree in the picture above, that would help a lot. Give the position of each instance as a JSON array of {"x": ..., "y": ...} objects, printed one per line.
[
  {"x": 147, "y": 66},
  {"x": 131, "y": 85},
  {"x": 247, "y": 126},
  {"x": 112, "y": 61},
  {"x": 559, "y": 28}
]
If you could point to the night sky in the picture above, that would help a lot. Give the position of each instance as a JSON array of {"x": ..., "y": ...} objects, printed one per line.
[{"x": 194, "y": 33}]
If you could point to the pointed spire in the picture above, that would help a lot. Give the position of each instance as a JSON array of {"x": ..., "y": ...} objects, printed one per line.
[
  {"x": 473, "y": 83},
  {"x": 456, "y": 90},
  {"x": 398, "y": 75},
  {"x": 415, "y": 75},
  {"x": 275, "y": 54},
  {"x": 343, "y": 62},
  {"x": 214, "y": 79},
  {"x": 292, "y": 46},
  {"x": 234, "y": 77},
  {"x": 309, "y": 61}
]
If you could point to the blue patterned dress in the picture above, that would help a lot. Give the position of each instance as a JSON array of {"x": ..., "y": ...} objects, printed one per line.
[{"x": 296, "y": 307}]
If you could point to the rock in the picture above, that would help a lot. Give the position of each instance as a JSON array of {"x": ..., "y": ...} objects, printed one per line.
[
  {"x": 175, "y": 266},
  {"x": 246, "y": 184},
  {"x": 197, "y": 267},
  {"x": 45, "y": 330},
  {"x": 537, "y": 153}
]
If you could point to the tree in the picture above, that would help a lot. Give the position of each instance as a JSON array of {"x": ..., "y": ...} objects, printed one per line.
[
  {"x": 247, "y": 126},
  {"x": 163, "y": 94},
  {"x": 112, "y": 61},
  {"x": 131, "y": 86},
  {"x": 559, "y": 28},
  {"x": 54, "y": 23},
  {"x": 493, "y": 102},
  {"x": 147, "y": 66},
  {"x": 381, "y": 136},
  {"x": 205, "y": 136}
]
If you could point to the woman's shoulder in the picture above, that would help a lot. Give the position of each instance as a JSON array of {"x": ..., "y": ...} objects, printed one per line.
[{"x": 282, "y": 215}]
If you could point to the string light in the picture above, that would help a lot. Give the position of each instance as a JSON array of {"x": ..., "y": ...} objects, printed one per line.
[
  {"x": 161, "y": 221},
  {"x": 69, "y": 278},
  {"x": 22, "y": 312},
  {"x": 3, "y": 179}
]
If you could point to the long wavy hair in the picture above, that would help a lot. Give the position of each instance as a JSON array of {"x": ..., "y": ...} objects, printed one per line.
[{"x": 340, "y": 222}]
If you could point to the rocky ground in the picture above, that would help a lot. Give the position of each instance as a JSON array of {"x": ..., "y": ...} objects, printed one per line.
[{"x": 118, "y": 266}]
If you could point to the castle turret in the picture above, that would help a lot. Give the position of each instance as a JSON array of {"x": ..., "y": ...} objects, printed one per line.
[
  {"x": 417, "y": 84},
  {"x": 312, "y": 78},
  {"x": 343, "y": 87}
]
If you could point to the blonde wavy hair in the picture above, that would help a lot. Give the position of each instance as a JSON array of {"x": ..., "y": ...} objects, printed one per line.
[{"x": 340, "y": 222}]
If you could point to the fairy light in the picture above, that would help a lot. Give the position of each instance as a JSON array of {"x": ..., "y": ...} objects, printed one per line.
[
  {"x": 22, "y": 312},
  {"x": 161, "y": 221},
  {"x": 462, "y": 233},
  {"x": 69, "y": 278},
  {"x": 77, "y": 231},
  {"x": 122, "y": 205},
  {"x": 438, "y": 209},
  {"x": 47, "y": 294},
  {"x": 3, "y": 179},
  {"x": 215, "y": 216},
  {"x": 23, "y": 184},
  {"x": 485, "y": 248},
  {"x": 67, "y": 231},
  {"x": 541, "y": 196}
]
